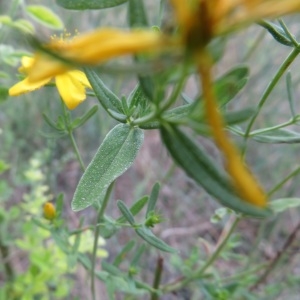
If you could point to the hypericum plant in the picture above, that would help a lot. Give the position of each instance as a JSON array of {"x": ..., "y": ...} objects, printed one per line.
[{"x": 189, "y": 41}]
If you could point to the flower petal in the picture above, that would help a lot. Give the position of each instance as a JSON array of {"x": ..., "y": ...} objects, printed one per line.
[
  {"x": 44, "y": 66},
  {"x": 96, "y": 47},
  {"x": 80, "y": 76},
  {"x": 26, "y": 86},
  {"x": 85, "y": 50},
  {"x": 70, "y": 89}
]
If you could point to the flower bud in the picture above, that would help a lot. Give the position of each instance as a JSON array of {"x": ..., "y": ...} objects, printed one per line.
[{"x": 49, "y": 211}]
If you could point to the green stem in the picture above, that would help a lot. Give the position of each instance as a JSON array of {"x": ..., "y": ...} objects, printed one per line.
[
  {"x": 159, "y": 110},
  {"x": 76, "y": 150},
  {"x": 96, "y": 237},
  {"x": 241, "y": 275},
  {"x": 176, "y": 91},
  {"x": 69, "y": 129},
  {"x": 157, "y": 277},
  {"x": 282, "y": 182},
  {"x": 264, "y": 130},
  {"x": 218, "y": 250},
  {"x": 178, "y": 284},
  {"x": 287, "y": 62}
]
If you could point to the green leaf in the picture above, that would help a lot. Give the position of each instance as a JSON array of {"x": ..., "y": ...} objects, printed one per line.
[
  {"x": 280, "y": 205},
  {"x": 80, "y": 121},
  {"x": 198, "y": 165},
  {"x": 153, "y": 198},
  {"x": 45, "y": 16},
  {"x": 137, "y": 14},
  {"x": 137, "y": 255},
  {"x": 278, "y": 136},
  {"x": 137, "y": 98},
  {"x": 59, "y": 204},
  {"x": 122, "y": 255},
  {"x": 229, "y": 85},
  {"x": 135, "y": 208},
  {"x": 291, "y": 96},
  {"x": 114, "y": 156},
  {"x": 89, "y": 4},
  {"x": 147, "y": 235},
  {"x": 277, "y": 32},
  {"x": 106, "y": 97},
  {"x": 236, "y": 117},
  {"x": 113, "y": 270},
  {"x": 226, "y": 88},
  {"x": 126, "y": 212}
]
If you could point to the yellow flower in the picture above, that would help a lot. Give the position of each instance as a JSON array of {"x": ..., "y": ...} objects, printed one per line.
[
  {"x": 49, "y": 211},
  {"x": 94, "y": 48},
  {"x": 70, "y": 84}
]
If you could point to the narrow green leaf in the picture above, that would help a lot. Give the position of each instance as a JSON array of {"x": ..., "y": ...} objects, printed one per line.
[
  {"x": 236, "y": 117},
  {"x": 50, "y": 122},
  {"x": 135, "y": 208},
  {"x": 45, "y": 16},
  {"x": 113, "y": 270},
  {"x": 229, "y": 85},
  {"x": 53, "y": 135},
  {"x": 153, "y": 198},
  {"x": 89, "y": 4},
  {"x": 280, "y": 205},
  {"x": 147, "y": 85},
  {"x": 137, "y": 255},
  {"x": 137, "y": 14},
  {"x": 105, "y": 96},
  {"x": 277, "y": 32},
  {"x": 119, "y": 117},
  {"x": 198, "y": 165},
  {"x": 126, "y": 212},
  {"x": 122, "y": 255},
  {"x": 114, "y": 156},
  {"x": 278, "y": 136},
  {"x": 24, "y": 26},
  {"x": 138, "y": 98},
  {"x": 59, "y": 204},
  {"x": 226, "y": 88},
  {"x": 291, "y": 96},
  {"x": 178, "y": 113},
  {"x": 147, "y": 235},
  {"x": 40, "y": 224},
  {"x": 80, "y": 121}
]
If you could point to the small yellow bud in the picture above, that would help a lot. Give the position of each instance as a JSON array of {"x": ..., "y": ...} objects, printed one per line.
[{"x": 49, "y": 211}]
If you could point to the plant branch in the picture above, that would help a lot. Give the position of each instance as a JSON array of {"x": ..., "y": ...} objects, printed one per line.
[
  {"x": 287, "y": 62},
  {"x": 291, "y": 238},
  {"x": 157, "y": 277},
  {"x": 199, "y": 273},
  {"x": 282, "y": 182},
  {"x": 96, "y": 237}
]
